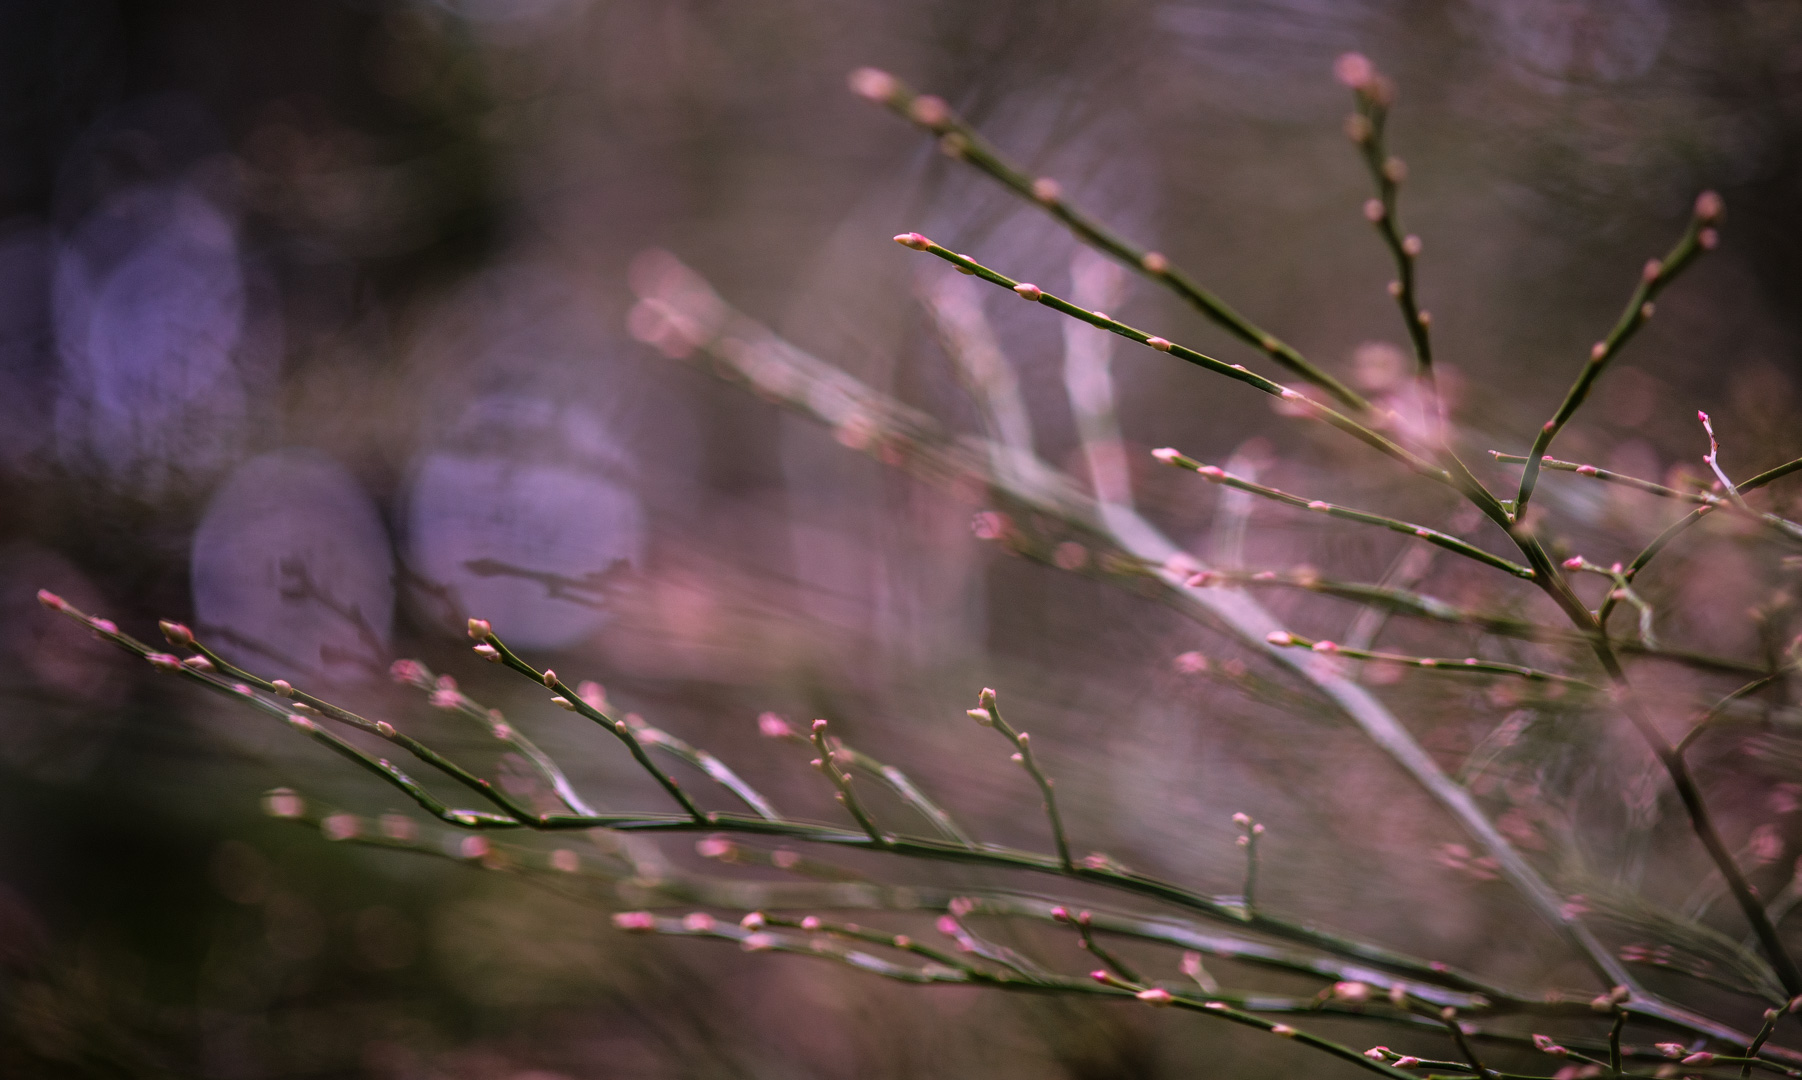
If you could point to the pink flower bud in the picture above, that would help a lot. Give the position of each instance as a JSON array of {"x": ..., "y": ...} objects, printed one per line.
[
  {"x": 1280, "y": 637},
  {"x": 164, "y": 662},
  {"x": 176, "y": 633},
  {"x": 1406, "y": 1061},
  {"x": 1047, "y": 191},
  {"x": 408, "y": 672},
  {"x": 913, "y": 240},
  {"x": 283, "y": 687},
  {"x": 635, "y": 922},
  {"x": 198, "y": 663},
  {"x": 873, "y": 84},
  {"x": 284, "y": 803},
  {"x": 1212, "y": 472},
  {"x": 947, "y": 926},
  {"x": 1671, "y": 1049},
  {"x": 565, "y": 861},
  {"x": 1354, "y": 70},
  {"x": 1283, "y": 1030},
  {"x": 1545, "y": 1043},
  {"x": 929, "y": 110},
  {"x": 1708, "y": 239},
  {"x": 104, "y": 626},
  {"x": 1373, "y": 210},
  {"x": 1029, "y": 291},
  {"x": 1318, "y": 505},
  {"x": 560, "y": 701},
  {"x": 819, "y": 726},
  {"x": 715, "y": 847},
  {"x": 1377, "y": 1053},
  {"x": 1325, "y": 647},
  {"x": 961, "y": 906},
  {"x": 771, "y": 726},
  {"x": 698, "y": 922},
  {"x": 1157, "y": 995},
  {"x": 1709, "y": 207},
  {"x": 52, "y": 601},
  {"x": 811, "y": 922},
  {"x": 1411, "y": 244},
  {"x": 398, "y": 827},
  {"x": 488, "y": 653},
  {"x": 1158, "y": 343},
  {"x": 340, "y": 827},
  {"x": 1191, "y": 663},
  {"x": 1586, "y": 470},
  {"x": 1154, "y": 262},
  {"x": 1166, "y": 454},
  {"x": 1652, "y": 269},
  {"x": 758, "y": 942},
  {"x": 480, "y": 629}
]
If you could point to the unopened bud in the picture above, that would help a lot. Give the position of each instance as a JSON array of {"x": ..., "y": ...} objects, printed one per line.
[
  {"x": 1646, "y": 309},
  {"x": 912, "y": 240},
  {"x": 1411, "y": 244},
  {"x": 1212, "y": 472},
  {"x": 1700, "y": 1058},
  {"x": 481, "y": 629},
  {"x": 284, "y": 803},
  {"x": 198, "y": 663},
  {"x": 635, "y": 922},
  {"x": 819, "y": 727},
  {"x": 1709, "y": 207},
  {"x": 1358, "y": 129},
  {"x": 1545, "y": 1043},
  {"x": 1316, "y": 504},
  {"x": 1158, "y": 343},
  {"x": 1671, "y": 1049},
  {"x": 1325, "y": 647},
  {"x": 753, "y": 921},
  {"x": 1047, "y": 191},
  {"x": 1373, "y": 210},
  {"x": 1652, "y": 269},
  {"x": 1029, "y": 291},
  {"x": 1354, "y": 70},
  {"x": 52, "y": 601},
  {"x": 176, "y": 633},
  {"x": 929, "y": 110},
  {"x": 164, "y": 661},
  {"x": 563, "y": 703},
  {"x": 1157, "y": 995},
  {"x": 1280, "y": 637},
  {"x": 1242, "y": 819},
  {"x": 488, "y": 653},
  {"x": 1406, "y": 1061},
  {"x": 873, "y": 84},
  {"x": 1708, "y": 239},
  {"x": 1168, "y": 455},
  {"x": 1395, "y": 289},
  {"x": 550, "y": 678},
  {"x": 1395, "y": 170},
  {"x": 1575, "y": 562}
]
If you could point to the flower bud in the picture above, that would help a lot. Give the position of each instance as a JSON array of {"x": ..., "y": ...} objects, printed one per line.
[
  {"x": 873, "y": 84},
  {"x": 1157, "y": 995},
  {"x": 1029, "y": 291},
  {"x": 176, "y": 633},
  {"x": 912, "y": 240}
]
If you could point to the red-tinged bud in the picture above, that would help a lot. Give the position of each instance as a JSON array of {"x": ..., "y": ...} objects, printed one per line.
[
  {"x": 1652, "y": 269},
  {"x": 409, "y": 672},
  {"x": 1708, "y": 239},
  {"x": 1158, "y": 343},
  {"x": 1047, "y": 190},
  {"x": 198, "y": 663},
  {"x": 1374, "y": 211},
  {"x": 1709, "y": 207},
  {"x": 902, "y": 941},
  {"x": 929, "y": 110},
  {"x": 1425, "y": 318},
  {"x": 1395, "y": 170},
  {"x": 1325, "y": 647},
  {"x": 1671, "y": 1049},
  {"x": 1598, "y": 352},
  {"x": 1282, "y": 1031},
  {"x": 1395, "y": 290},
  {"x": 1575, "y": 562},
  {"x": 961, "y": 906},
  {"x": 715, "y": 847},
  {"x": 1155, "y": 262},
  {"x": 873, "y": 84},
  {"x": 811, "y": 922},
  {"x": 981, "y": 716},
  {"x": 1351, "y": 992},
  {"x": 176, "y": 633},
  {"x": 1411, "y": 245},
  {"x": 1700, "y": 1058},
  {"x": 284, "y": 803},
  {"x": 1029, "y": 291},
  {"x": 341, "y": 827},
  {"x": 1586, "y": 470},
  {"x": 1646, "y": 309},
  {"x": 698, "y": 922},
  {"x": 913, "y": 240},
  {"x": 1545, "y": 1043},
  {"x": 474, "y": 847},
  {"x": 1423, "y": 533},
  {"x": 819, "y": 726},
  {"x": 1406, "y": 1061},
  {"x": 1354, "y": 70},
  {"x": 488, "y": 653},
  {"x": 772, "y": 726},
  {"x": 1212, "y": 472},
  {"x": 1549, "y": 425},
  {"x": 1316, "y": 504},
  {"x": 1101, "y": 976},
  {"x": 52, "y": 601},
  {"x": 1191, "y": 663},
  {"x": 104, "y": 626},
  {"x": 481, "y": 629},
  {"x": 561, "y": 702},
  {"x": 1280, "y": 637},
  {"x": 1167, "y": 455},
  {"x": 1060, "y": 913},
  {"x": 1157, "y": 995},
  {"x": 164, "y": 662},
  {"x": 758, "y": 942},
  {"x": 283, "y": 687},
  {"x": 1377, "y": 1053},
  {"x": 635, "y": 922},
  {"x": 947, "y": 926}
]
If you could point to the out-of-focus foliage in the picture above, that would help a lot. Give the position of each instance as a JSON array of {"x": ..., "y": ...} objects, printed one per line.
[{"x": 312, "y": 328}]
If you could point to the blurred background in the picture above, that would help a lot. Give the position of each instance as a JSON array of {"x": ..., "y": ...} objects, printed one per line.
[{"x": 313, "y": 332}]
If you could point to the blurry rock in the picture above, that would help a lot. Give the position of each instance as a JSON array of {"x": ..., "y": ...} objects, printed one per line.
[
  {"x": 526, "y": 517},
  {"x": 292, "y": 572}
]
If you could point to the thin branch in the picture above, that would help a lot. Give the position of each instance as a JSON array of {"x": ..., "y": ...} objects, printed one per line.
[
  {"x": 962, "y": 142},
  {"x": 1217, "y": 475},
  {"x": 1700, "y": 235},
  {"x": 1469, "y": 665},
  {"x": 988, "y": 714}
]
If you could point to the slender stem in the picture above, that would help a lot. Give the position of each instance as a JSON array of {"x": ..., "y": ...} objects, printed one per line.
[
  {"x": 1431, "y": 536},
  {"x": 619, "y": 728},
  {"x": 1239, "y": 372},
  {"x": 718, "y": 771},
  {"x": 827, "y": 763},
  {"x": 1658, "y": 274},
  {"x": 1783, "y": 525},
  {"x": 1720, "y": 706},
  {"x": 961, "y": 141},
  {"x": 1468, "y": 665},
  {"x": 1614, "y": 1039},
  {"x": 1023, "y": 743}
]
